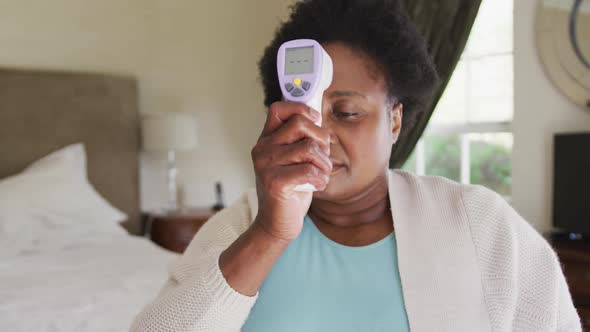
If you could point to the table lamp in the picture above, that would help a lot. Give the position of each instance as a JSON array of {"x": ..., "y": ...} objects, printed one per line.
[{"x": 169, "y": 132}]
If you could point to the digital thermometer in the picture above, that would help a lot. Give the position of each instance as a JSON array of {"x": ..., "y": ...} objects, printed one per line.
[{"x": 305, "y": 72}]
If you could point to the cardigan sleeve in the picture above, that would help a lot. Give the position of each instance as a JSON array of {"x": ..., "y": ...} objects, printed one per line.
[
  {"x": 524, "y": 286},
  {"x": 196, "y": 296}
]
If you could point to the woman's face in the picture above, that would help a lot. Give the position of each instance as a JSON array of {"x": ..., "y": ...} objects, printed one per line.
[{"x": 362, "y": 121}]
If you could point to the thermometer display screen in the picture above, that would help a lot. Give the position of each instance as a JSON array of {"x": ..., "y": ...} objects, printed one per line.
[{"x": 299, "y": 60}]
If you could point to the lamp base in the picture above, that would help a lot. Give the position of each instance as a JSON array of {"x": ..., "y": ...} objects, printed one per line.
[{"x": 172, "y": 184}]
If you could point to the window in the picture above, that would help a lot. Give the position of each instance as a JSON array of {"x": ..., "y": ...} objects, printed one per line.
[{"x": 469, "y": 137}]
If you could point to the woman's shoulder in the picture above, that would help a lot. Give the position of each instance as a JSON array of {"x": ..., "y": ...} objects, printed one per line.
[
  {"x": 507, "y": 246},
  {"x": 241, "y": 212},
  {"x": 444, "y": 190},
  {"x": 429, "y": 183},
  {"x": 441, "y": 192},
  {"x": 488, "y": 215},
  {"x": 520, "y": 272},
  {"x": 227, "y": 224}
]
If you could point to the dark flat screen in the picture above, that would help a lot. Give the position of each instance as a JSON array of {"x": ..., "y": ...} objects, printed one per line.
[{"x": 571, "y": 182}]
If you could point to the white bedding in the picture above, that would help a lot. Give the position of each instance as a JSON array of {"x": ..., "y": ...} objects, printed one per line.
[
  {"x": 66, "y": 264},
  {"x": 96, "y": 284}
]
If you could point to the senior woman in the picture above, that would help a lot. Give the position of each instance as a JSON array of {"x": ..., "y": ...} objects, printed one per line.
[{"x": 373, "y": 249}]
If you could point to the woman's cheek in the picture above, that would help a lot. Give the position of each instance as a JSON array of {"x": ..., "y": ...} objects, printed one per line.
[{"x": 359, "y": 147}]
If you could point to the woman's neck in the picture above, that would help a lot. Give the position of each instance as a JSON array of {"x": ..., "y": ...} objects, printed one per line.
[{"x": 363, "y": 208}]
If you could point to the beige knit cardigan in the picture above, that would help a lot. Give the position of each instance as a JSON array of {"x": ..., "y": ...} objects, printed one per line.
[{"x": 467, "y": 260}]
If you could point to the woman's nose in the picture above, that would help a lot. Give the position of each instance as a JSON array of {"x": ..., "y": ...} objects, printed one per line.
[{"x": 328, "y": 126}]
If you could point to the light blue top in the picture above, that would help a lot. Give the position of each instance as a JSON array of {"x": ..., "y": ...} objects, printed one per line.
[{"x": 320, "y": 285}]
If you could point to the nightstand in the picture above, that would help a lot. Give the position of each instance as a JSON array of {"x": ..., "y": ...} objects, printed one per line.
[
  {"x": 175, "y": 230},
  {"x": 575, "y": 261}
]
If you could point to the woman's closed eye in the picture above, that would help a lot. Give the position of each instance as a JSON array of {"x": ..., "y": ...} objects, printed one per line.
[{"x": 346, "y": 113}]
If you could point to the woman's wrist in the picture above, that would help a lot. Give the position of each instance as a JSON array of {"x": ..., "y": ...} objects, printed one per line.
[
  {"x": 248, "y": 261},
  {"x": 259, "y": 226}
]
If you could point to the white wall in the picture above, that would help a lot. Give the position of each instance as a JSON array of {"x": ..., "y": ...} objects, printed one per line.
[
  {"x": 205, "y": 61},
  {"x": 200, "y": 56},
  {"x": 193, "y": 56},
  {"x": 540, "y": 111}
]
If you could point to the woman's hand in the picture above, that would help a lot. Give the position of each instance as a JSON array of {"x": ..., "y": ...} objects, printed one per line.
[{"x": 291, "y": 151}]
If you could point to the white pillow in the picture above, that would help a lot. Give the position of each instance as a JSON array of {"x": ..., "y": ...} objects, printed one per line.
[{"x": 53, "y": 197}]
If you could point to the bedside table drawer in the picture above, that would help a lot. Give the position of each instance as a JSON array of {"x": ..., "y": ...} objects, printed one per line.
[
  {"x": 175, "y": 232},
  {"x": 577, "y": 275},
  {"x": 584, "y": 313}
]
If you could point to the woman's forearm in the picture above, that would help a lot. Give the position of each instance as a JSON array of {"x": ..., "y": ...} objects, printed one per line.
[{"x": 248, "y": 261}]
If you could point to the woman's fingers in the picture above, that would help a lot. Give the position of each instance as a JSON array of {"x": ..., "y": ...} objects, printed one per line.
[
  {"x": 280, "y": 112},
  {"x": 304, "y": 151},
  {"x": 292, "y": 150},
  {"x": 286, "y": 178},
  {"x": 299, "y": 127}
]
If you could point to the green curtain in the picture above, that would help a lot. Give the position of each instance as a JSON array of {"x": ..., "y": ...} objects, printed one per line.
[{"x": 446, "y": 25}]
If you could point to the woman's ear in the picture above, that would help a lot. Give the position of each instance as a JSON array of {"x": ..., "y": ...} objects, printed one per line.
[{"x": 397, "y": 113}]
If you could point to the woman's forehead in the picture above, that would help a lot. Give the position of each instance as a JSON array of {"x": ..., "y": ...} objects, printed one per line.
[{"x": 354, "y": 72}]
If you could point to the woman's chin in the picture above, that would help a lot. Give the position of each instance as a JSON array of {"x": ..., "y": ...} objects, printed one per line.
[{"x": 335, "y": 187}]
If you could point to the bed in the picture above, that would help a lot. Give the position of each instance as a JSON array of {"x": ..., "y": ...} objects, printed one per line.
[{"x": 69, "y": 204}]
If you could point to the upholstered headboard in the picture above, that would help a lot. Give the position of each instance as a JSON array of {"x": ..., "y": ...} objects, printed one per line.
[{"x": 42, "y": 111}]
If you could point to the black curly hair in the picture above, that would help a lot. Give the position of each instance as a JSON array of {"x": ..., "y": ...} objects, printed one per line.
[{"x": 378, "y": 28}]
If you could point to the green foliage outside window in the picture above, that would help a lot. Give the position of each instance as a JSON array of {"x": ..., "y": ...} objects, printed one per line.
[{"x": 490, "y": 164}]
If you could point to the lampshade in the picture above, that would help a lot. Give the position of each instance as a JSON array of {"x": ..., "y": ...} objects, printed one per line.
[{"x": 169, "y": 131}]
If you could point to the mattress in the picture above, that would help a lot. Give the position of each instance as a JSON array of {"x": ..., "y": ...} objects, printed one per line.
[{"x": 92, "y": 284}]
